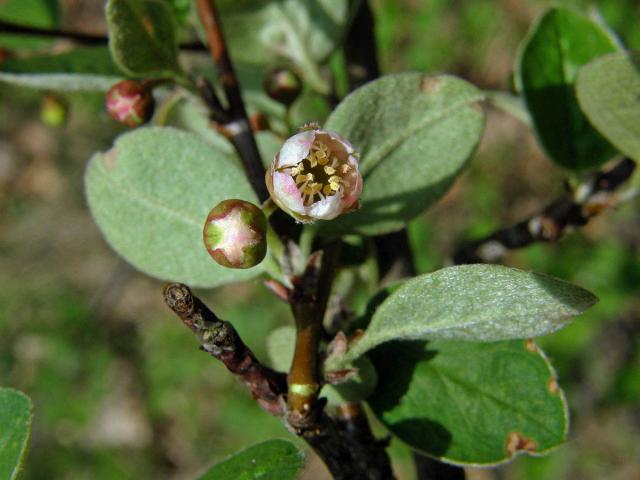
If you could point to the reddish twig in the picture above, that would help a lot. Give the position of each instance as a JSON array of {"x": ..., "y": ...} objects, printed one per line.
[
  {"x": 220, "y": 339},
  {"x": 236, "y": 126}
]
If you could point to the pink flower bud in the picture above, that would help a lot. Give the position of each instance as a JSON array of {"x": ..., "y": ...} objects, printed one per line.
[
  {"x": 235, "y": 234},
  {"x": 315, "y": 176},
  {"x": 130, "y": 102}
]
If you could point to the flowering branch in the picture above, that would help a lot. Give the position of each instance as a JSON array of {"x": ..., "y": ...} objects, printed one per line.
[
  {"x": 237, "y": 126},
  {"x": 590, "y": 199}
]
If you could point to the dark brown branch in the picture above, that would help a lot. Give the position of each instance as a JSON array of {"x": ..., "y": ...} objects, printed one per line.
[
  {"x": 220, "y": 339},
  {"x": 369, "y": 454},
  {"x": 359, "y": 48},
  {"x": 237, "y": 128},
  {"x": 590, "y": 199},
  {"x": 77, "y": 37}
]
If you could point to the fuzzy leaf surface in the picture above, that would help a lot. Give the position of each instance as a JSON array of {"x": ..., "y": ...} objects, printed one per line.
[
  {"x": 469, "y": 403},
  {"x": 414, "y": 133},
  {"x": 609, "y": 92},
  {"x": 83, "y": 69},
  {"x": 142, "y": 37},
  {"x": 151, "y": 194},
  {"x": 476, "y": 303},
  {"x": 15, "y": 431},
  {"x": 558, "y": 45},
  {"x": 304, "y": 32},
  {"x": 270, "y": 460}
]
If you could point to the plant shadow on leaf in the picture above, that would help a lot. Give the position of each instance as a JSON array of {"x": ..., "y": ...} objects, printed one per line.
[{"x": 389, "y": 394}]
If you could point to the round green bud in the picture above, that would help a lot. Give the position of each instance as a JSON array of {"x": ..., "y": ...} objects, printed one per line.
[{"x": 235, "y": 234}]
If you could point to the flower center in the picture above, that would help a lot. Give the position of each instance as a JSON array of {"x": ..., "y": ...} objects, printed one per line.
[{"x": 319, "y": 174}]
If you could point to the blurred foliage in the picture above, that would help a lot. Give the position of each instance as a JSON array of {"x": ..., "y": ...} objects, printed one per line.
[{"x": 119, "y": 387}]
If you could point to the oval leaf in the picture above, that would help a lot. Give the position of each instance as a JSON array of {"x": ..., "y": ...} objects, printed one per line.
[
  {"x": 142, "y": 37},
  {"x": 474, "y": 302},
  {"x": 270, "y": 460},
  {"x": 81, "y": 69},
  {"x": 15, "y": 430},
  {"x": 609, "y": 93},
  {"x": 558, "y": 45},
  {"x": 469, "y": 403},
  {"x": 414, "y": 134},
  {"x": 150, "y": 195}
]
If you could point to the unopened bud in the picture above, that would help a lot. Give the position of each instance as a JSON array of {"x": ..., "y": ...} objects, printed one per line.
[
  {"x": 315, "y": 176},
  {"x": 235, "y": 234},
  {"x": 282, "y": 85},
  {"x": 130, "y": 102},
  {"x": 53, "y": 110}
]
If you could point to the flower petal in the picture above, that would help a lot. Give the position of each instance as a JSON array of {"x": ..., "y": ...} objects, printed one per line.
[
  {"x": 326, "y": 209},
  {"x": 295, "y": 149},
  {"x": 286, "y": 194}
]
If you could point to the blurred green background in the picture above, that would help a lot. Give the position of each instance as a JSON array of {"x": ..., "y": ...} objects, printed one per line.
[{"x": 119, "y": 386}]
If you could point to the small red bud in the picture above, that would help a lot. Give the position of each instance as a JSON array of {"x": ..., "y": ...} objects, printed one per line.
[
  {"x": 235, "y": 234},
  {"x": 130, "y": 102},
  {"x": 282, "y": 85}
]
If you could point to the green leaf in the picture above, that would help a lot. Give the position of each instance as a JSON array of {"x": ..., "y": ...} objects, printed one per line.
[
  {"x": 474, "y": 302},
  {"x": 558, "y": 45},
  {"x": 81, "y": 69},
  {"x": 414, "y": 133},
  {"x": 142, "y": 37},
  {"x": 609, "y": 93},
  {"x": 31, "y": 13},
  {"x": 270, "y": 460},
  {"x": 470, "y": 403},
  {"x": 304, "y": 32},
  {"x": 15, "y": 431},
  {"x": 280, "y": 345},
  {"x": 151, "y": 194}
]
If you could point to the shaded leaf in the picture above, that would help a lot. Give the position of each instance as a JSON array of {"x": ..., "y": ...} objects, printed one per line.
[
  {"x": 304, "y": 32},
  {"x": 142, "y": 37},
  {"x": 476, "y": 303},
  {"x": 609, "y": 92},
  {"x": 15, "y": 431},
  {"x": 31, "y": 13},
  {"x": 80, "y": 69},
  {"x": 469, "y": 403},
  {"x": 557, "y": 46},
  {"x": 150, "y": 195},
  {"x": 270, "y": 460},
  {"x": 414, "y": 133}
]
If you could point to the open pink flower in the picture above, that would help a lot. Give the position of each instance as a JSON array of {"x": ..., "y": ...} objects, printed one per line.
[{"x": 315, "y": 176}]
